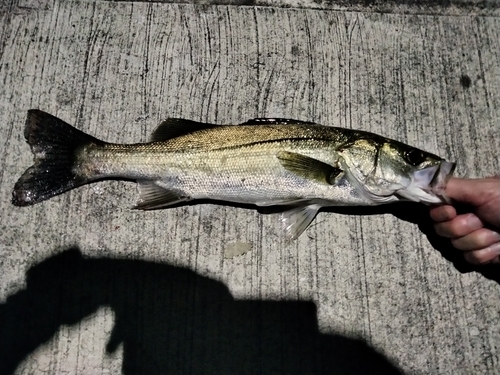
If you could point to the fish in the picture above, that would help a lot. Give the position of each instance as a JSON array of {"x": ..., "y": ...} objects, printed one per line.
[{"x": 298, "y": 165}]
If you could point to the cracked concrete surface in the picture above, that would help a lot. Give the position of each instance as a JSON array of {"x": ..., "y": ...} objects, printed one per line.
[{"x": 89, "y": 286}]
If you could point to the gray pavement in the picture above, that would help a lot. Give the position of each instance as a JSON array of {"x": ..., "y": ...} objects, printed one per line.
[{"x": 89, "y": 286}]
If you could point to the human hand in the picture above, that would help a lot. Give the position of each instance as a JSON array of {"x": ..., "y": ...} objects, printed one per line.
[{"x": 476, "y": 233}]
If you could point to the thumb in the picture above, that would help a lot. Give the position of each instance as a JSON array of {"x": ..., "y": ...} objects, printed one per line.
[{"x": 472, "y": 191}]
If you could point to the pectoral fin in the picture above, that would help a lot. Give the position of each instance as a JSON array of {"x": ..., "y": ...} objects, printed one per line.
[
  {"x": 152, "y": 196},
  {"x": 308, "y": 168},
  {"x": 296, "y": 221}
]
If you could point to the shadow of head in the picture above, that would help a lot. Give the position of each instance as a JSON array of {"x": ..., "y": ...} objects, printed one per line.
[{"x": 171, "y": 320}]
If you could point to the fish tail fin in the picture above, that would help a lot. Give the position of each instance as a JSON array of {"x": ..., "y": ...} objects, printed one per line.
[{"x": 54, "y": 144}]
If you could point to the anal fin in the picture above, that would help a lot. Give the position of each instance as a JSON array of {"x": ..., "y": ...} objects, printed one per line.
[
  {"x": 281, "y": 202},
  {"x": 152, "y": 196}
]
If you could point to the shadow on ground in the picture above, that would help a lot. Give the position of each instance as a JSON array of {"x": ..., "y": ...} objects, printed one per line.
[
  {"x": 417, "y": 213},
  {"x": 412, "y": 212},
  {"x": 171, "y": 320}
]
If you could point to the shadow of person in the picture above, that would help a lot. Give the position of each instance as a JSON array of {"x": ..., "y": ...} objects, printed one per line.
[{"x": 172, "y": 321}]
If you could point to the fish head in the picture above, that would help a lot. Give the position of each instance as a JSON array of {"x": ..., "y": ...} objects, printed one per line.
[{"x": 384, "y": 171}]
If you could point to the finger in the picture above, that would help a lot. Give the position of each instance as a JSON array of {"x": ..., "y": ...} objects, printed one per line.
[
  {"x": 443, "y": 213},
  {"x": 495, "y": 260},
  {"x": 478, "y": 239},
  {"x": 489, "y": 254},
  {"x": 460, "y": 226},
  {"x": 466, "y": 190}
]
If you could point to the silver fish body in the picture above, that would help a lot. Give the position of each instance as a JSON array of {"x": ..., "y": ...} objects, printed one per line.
[{"x": 265, "y": 162}]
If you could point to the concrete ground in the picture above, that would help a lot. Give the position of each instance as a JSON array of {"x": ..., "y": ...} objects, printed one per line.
[{"x": 89, "y": 286}]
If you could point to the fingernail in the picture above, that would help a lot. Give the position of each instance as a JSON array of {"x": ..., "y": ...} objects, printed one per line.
[
  {"x": 495, "y": 248},
  {"x": 473, "y": 222}
]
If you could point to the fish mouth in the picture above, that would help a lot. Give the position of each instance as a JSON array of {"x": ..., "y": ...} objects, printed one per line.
[{"x": 428, "y": 185}]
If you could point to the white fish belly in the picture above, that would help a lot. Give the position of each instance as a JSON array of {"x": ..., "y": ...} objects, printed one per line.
[{"x": 254, "y": 179}]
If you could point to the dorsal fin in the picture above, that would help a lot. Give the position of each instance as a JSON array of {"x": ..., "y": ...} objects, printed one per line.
[
  {"x": 274, "y": 121},
  {"x": 174, "y": 127}
]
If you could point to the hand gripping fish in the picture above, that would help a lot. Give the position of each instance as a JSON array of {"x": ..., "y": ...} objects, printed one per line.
[{"x": 266, "y": 162}]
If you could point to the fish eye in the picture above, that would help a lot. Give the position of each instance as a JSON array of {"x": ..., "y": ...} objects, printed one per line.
[{"x": 414, "y": 156}]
